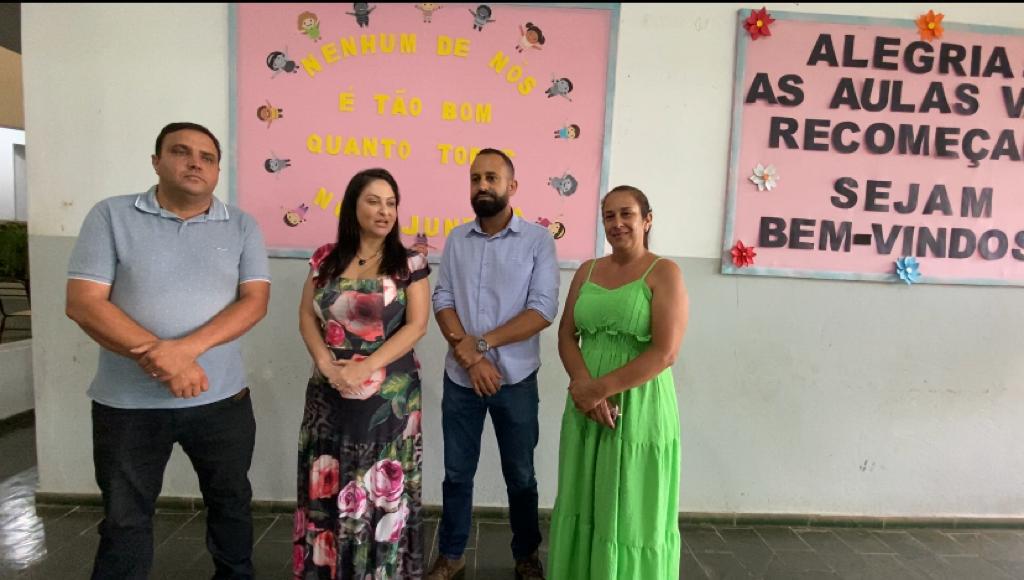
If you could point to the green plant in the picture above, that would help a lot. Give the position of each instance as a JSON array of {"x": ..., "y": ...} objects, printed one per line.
[{"x": 14, "y": 250}]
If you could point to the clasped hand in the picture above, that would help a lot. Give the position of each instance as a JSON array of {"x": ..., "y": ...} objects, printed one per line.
[
  {"x": 587, "y": 395},
  {"x": 349, "y": 378},
  {"x": 173, "y": 362}
]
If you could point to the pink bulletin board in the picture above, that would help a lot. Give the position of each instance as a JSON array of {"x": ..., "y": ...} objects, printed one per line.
[
  {"x": 885, "y": 147},
  {"x": 322, "y": 91}
]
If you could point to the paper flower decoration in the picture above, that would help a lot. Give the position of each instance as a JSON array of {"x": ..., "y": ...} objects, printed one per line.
[
  {"x": 757, "y": 23},
  {"x": 929, "y": 26},
  {"x": 742, "y": 256},
  {"x": 908, "y": 269},
  {"x": 765, "y": 177}
]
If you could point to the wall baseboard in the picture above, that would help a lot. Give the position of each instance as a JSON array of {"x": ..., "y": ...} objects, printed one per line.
[{"x": 685, "y": 518}]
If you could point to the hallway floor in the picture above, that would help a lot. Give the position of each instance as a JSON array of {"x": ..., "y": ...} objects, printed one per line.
[{"x": 58, "y": 542}]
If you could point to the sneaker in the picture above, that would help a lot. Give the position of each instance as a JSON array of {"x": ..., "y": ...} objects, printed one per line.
[
  {"x": 529, "y": 568},
  {"x": 445, "y": 569}
]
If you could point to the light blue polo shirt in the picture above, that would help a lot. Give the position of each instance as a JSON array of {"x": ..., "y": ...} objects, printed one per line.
[{"x": 171, "y": 276}]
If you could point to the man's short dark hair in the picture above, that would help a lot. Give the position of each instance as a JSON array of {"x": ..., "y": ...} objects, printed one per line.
[
  {"x": 505, "y": 158},
  {"x": 175, "y": 127}
]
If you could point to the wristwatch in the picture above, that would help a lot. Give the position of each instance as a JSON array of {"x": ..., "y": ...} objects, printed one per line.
[{"x": 482, "y": 346}]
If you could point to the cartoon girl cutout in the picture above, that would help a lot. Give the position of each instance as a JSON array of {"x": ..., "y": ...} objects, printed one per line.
[
  {"x": 428, "y": 9},
  {"x": 269, "y": 113},
  {"x": 557, "y": 228},
  {"x": 295, "y": 216},
  {"x": 481, "y": 16},
  {"x": 565, "y": 185},
  {"x": 530, "y": 37},
  {"x": 309, "y": 25},
  {"x": 279, "y": 62}
]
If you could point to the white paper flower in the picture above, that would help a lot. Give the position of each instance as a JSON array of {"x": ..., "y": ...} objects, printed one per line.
[{"x": 765, "y": 177}]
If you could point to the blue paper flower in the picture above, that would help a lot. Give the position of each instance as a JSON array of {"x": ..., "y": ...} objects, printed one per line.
[{"x": 908, "y": 269}]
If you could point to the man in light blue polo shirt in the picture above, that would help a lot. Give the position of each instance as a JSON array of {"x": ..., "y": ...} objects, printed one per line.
[
  {"x": 497, "y": 289},
  {"x": 166, "y": 282}
]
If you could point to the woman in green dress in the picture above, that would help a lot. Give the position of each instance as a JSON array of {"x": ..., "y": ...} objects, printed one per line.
[{"x": 617, "y": 508}]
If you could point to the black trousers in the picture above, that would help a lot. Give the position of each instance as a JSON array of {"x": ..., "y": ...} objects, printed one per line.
[{"x": 131, "y": 448}]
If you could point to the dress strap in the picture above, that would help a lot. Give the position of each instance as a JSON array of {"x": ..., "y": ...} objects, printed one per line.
[
  {"x": 651, "y": 267},
  {"x": 591, "y": 271}
]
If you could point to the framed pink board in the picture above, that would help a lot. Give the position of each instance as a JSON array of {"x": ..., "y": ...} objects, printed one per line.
[
  {"x": 322, "y": 91},
  {"x": 857, "y": 144}
]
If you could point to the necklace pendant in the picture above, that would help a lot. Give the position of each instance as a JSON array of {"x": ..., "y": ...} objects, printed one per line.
[{"x": 362, "y": 262}]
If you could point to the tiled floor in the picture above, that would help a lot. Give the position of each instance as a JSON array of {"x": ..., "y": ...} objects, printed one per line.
[{"x": 58, "y": 542}]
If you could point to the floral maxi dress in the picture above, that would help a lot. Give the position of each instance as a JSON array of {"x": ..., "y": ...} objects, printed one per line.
[{"x": 359, "y": 467}]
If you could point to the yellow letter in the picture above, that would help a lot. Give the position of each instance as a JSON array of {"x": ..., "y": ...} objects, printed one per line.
[
  {"x": 462, "y": 47},
  {"x": 444, "y": 45},
  {"x": 323, "y": 197},
  {"x": 346, "y": 102},
  {"x": 348, "y": 47},
  {"x": 381, "y": 101},
  {"x": 483, "y": 113},
  {"x": 448, "y": 111},
  {"x": 526, "y": 87},
  {"x": 311, "y": 65},
  {"x": 352, "y": 146},
  {"x": 414, "y": 226},
  {"x": 314, "y": 143},
  {"x": 333, "y": 144},
  {"x": 408, "y": 44},
  {"x": 369, "y": 146},
  {"x": 330, "y": 52},
  {"x": 499, "y": 61},
  {"x": 431, "y": 227},
  {"x": 445, "y": 149},
  {"x": 368, "y": 43}
]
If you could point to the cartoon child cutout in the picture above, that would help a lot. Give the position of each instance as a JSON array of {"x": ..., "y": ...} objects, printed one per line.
[
  {"x": 279, "y": 62},
  {"x": 309, "y": 25},
  {"x": 275, "y": 164},
  {"x": 556, "y": 228},
  {"x": 565, "y": 185},
  {"x": 481, "y": 17},
  {"x": 422, "y": 244},
  {"x": 568, "y": 132},
  {"x": 560, "y": 87},
  {"x": 269, "y": 113},
  {"x": 530, "y": 37},
  {"x": 295, "y": 216},
  {"x": 428, "y": 9},
  {"x": 362, "y": 13}
]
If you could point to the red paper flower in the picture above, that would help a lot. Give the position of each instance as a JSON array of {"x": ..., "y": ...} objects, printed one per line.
[
  {"x": 757, "y": 23},
  {"x": 930, "y": 26},
  {"x": 743, "y": 256}
]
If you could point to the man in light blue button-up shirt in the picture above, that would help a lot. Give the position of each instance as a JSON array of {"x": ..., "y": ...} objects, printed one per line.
[{"x": 497, "y": 289}]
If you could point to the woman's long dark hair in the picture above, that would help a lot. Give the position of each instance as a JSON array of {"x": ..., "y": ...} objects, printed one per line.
[{"x": 395, "y": 257}]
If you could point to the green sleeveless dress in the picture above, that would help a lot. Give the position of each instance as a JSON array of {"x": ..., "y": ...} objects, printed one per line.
[{"x": 616, "y": 514}]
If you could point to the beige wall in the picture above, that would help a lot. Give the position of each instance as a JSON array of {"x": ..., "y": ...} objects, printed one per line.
[{"x": 12, "y": 103}]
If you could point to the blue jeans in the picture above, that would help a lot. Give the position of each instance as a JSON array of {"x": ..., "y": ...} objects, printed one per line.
[
  {"x": 131, "y": 448},
  {"x": 514, "y": 415}
]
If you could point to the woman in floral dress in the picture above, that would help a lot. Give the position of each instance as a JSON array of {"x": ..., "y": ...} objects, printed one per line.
[{"x": 364, "y": 305}]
